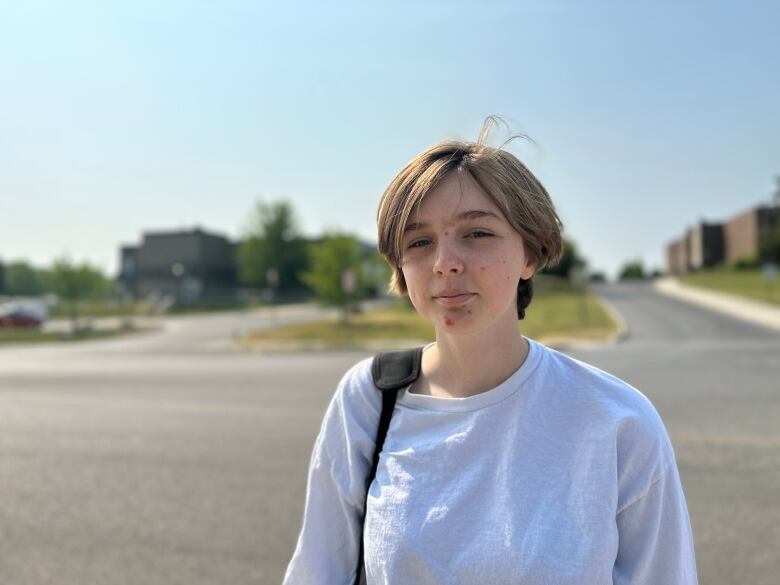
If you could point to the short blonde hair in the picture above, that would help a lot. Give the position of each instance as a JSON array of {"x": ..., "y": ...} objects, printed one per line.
[{"x": 513, "y": 188}]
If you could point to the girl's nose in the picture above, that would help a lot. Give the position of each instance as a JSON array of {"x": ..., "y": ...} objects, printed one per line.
[{"x": 447, "y": 259}]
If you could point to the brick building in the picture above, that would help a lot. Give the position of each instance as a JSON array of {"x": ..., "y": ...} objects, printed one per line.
[
  {"x": 743, "y": 232},
  {"x": 701, "y": 246},
  {"x": 709, "y": 244},
  {"x": 677, "y": 256}
]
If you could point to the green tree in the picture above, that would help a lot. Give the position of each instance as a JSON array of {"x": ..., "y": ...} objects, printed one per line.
[
  {"x": 376, "y": 274},
  {"x": 21, "y": 279},
  {"x": 571, "y": 258},
  {"x": 271, "y": 241},
  {"x": 76, "y": 283},
  {"x": 656, "y": 273},
  {"x": 632, "y": 270},
  {"x": 329, "y": 260},
  {"x": 769, "y": 243}
]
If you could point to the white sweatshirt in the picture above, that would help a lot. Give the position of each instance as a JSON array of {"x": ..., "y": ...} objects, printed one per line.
[{"x": 562, "y": 474}]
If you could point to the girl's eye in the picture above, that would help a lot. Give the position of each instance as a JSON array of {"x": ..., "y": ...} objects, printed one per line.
[
  {"x": 414, "y": 244},
  {"x": 472, "y": 234}
]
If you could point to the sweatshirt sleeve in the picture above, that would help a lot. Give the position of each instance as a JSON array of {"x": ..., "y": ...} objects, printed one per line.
[
  {"x": 328, "y": 544},
  {"x": 655, "y": 541}
]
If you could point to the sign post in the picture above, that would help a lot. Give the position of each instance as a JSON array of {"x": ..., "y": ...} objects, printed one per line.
[
  {"x": 579, "y": 278},
  {"x": 769, "y": 270},
  {"x": 348, "y": 287}
]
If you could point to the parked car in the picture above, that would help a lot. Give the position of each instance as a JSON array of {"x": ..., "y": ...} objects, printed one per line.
[{"x": 22, "y": 314}]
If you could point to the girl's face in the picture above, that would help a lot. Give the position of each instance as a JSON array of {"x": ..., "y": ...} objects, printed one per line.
[{"x": 462, "y": 261}]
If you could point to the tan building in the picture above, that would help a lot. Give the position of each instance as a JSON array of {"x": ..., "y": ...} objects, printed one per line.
[{"x": 743, "y": 232}]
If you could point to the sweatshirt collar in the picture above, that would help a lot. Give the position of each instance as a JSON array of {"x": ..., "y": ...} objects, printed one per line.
[{"x": 483, "y": 399}]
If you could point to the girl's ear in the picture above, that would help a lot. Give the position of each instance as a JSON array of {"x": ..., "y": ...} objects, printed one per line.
[
  {"x": 529, "y": 270},
  {"x": 531, "y": 265}
]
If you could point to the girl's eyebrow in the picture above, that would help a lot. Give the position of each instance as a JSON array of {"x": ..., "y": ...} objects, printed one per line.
[{"x": 471, "y": 214}]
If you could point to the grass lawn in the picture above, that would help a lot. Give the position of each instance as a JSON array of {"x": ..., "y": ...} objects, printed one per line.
[
  {"x": 115, "y": 309},
  {"x": 745, "y": 283},
  {"x": 96, "y": 309},
  {"x": 555, "y": 311},
  {"x": 37, "y": 336},
  {"x": 567, "y": 314},
  {"x": 211, "y": 307}
]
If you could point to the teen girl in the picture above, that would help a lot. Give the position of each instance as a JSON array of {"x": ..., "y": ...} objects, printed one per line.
[{"x": 506, "y": 462}]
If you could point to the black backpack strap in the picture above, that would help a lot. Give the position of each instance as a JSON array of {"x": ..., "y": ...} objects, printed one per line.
[{"x": 391, "y": 370}]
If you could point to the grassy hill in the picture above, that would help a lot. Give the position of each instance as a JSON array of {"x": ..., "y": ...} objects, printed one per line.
[{"x": 745, "y": 283}]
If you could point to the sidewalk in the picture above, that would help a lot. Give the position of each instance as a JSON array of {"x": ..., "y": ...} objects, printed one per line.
[{"x": 754, "y": 311}]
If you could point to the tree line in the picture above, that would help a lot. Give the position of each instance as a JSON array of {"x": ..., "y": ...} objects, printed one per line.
[
  {"x": 63, "y": 278},
  {"x": 336, "y": 269},
  {"x": 272, "y": 255},
  {"x": 272, "y": 246}
]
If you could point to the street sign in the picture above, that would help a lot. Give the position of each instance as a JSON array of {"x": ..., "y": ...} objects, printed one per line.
[
  {"x": 272, "y": 277},
  {"x": 348, "y": 281},
  {"x": 579, "y": 276}
]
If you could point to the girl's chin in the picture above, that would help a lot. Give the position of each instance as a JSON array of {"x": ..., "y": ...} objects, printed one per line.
[{"x": 452, "y": 317}]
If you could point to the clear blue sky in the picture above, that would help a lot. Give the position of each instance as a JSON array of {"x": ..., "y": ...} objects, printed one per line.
[{"x": 117, "y": 118}]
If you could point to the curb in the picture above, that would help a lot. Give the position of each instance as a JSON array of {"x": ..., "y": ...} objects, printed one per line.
[{"x": 321, "y": 346}]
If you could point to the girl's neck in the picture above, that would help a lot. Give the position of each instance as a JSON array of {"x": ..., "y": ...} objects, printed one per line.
[{"x": 461, "y": 366}]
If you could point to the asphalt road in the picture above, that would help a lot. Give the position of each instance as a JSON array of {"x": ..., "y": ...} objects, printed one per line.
[
  {"x": 169, "y": 458},
  {"x": 715, "y": 381}
]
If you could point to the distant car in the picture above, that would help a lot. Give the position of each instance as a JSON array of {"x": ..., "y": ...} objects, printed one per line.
[{"x": 22, "y": 314}]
